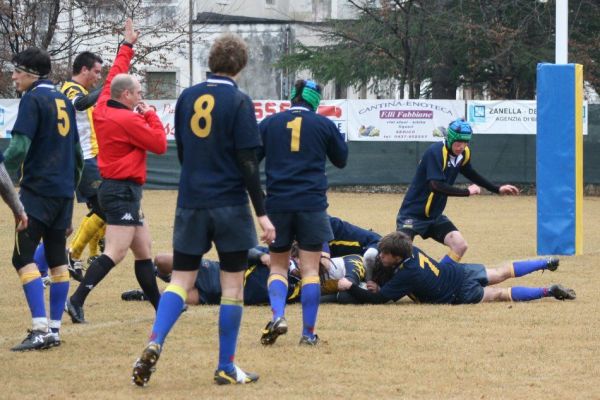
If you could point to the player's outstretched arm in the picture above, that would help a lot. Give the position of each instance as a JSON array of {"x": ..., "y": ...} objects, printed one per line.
[
  {"x": 509, "y": 190},
  {"x": 131, "y": 35},
  {"x": 121, "y": 63}
]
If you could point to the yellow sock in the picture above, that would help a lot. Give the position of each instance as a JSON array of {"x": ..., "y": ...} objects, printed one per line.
[
  {"x": 73, "y": 248},
  {"x": 93, "y": 246},
  {"x": 87, "y": 230}
]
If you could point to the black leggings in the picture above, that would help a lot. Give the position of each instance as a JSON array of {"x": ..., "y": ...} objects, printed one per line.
[{"x": 26, "y": 242}]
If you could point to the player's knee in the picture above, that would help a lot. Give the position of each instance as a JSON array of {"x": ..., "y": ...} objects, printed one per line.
[
  {"x": 461, "y": 248},
  {"x": 164, "y": 263},
  {"x": 457, "y": 243}
]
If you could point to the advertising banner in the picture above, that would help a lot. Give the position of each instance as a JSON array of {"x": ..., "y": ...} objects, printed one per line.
[
  {"x": 515, "y": 117},
  {"x": 335, "y": 110},
  {"x": 332, "y": 109},
  {"x": 401, "y": 120},
  {"x": 8, "y": 114}
]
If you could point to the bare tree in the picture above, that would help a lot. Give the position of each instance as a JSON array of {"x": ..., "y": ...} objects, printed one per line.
[{"x": 66, "y": 27}]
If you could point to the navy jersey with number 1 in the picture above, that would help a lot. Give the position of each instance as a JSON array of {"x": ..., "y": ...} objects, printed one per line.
[
  {"x": 212, "y": 120},
  {"x": 297, "y": 143}
]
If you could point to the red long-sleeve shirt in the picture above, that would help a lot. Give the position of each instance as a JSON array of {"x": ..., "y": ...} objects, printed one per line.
[{"x": 124, "y": 136}]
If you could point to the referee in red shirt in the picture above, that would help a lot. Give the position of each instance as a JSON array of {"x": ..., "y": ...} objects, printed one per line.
[{"x": 126, "y": 129}]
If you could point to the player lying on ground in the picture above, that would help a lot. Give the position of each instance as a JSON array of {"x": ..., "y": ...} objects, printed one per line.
[
  {"x": 427, "y": 281},
  {"x": 207, "y": 287},
  {"x": 351, "y": 239}
]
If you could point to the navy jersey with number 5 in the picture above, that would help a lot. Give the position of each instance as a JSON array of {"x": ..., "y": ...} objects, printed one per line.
[
  {"x": 212, "y": 120},
  {"x": 424, "y": 280},
  {"x": 437, "y": 164},
  {"x": 47, "y": 118},
  {"x": 297, "y": 143}
]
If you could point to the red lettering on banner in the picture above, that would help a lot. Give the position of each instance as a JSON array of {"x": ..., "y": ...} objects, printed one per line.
[
  {"x": 258, "y": 110},
  {"x": 330, "y": 111},
  {"x": 270, "y": 108}
]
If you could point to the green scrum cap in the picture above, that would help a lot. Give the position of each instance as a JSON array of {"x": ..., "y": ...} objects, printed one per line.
[
  {"x": 311, "y": 93},
  {"x": 458, "y": 131}
]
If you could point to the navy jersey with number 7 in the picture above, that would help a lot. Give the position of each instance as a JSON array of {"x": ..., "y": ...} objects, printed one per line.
[
  {"x": 425, "y": 280},
  {"x": 296, "y": 144},
  {"x": 213, "y": 119}
]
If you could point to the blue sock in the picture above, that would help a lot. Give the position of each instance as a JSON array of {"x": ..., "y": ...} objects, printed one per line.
[
  {"x": 278, "y": 288},
  {"x": 59, "y": 290},
  {"x": 34, "y": 293},
  {"x": 521, "y": 268},
  {"x": 169, "y": 309},
  {"x": 520, "y": 293},
  {"x": 310, "y": 298},
  {"x": 230, "y": 317},
  {"x": 39, "y": 258}
]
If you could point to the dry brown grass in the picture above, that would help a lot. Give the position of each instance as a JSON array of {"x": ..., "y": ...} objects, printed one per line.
[{"x": 543, "y": 349}]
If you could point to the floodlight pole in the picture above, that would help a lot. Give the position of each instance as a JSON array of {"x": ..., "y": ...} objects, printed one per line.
[{"x": 562, "y": 32}]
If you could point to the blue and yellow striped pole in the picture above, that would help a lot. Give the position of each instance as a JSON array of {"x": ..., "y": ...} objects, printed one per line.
[{"x": 559, "y": 160}]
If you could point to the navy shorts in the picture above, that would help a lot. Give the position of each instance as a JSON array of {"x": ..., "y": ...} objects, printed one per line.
[
  {"x": 437, "y": 229},
  {"x": 306, "y": 227},
  {"x": 231, "y": 228},
  {"x": 121, "y": 202},
  {"x": 476, "y": 279},
  {"x": 53, "y": 212},
  {"x": 90, "y": 181}
]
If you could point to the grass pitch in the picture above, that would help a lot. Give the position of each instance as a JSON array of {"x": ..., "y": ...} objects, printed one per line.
[{"x": 542, "y": 349}]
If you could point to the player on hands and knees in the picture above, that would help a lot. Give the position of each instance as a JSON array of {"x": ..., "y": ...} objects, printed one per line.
[{"x": 421, "y": 212}]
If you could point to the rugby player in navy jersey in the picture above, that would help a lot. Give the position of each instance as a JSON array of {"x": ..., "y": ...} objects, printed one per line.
[
  {"x": 217, "y": 138},
  {"x": 421, "y": 212},
  {"x": 426, "y": 281},
  {"x": 333, "y": 269},
  {"x": 351, "y": 239},
  {"x": 207, "y": 287},
  {"x": 296, "y": 145},
  {"x": 45, "y": 145}
]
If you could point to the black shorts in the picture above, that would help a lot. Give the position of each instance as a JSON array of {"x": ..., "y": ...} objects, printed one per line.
[
  {"x": 53, "y": 212},
  {"x": 121, "y": 202},
  {"x": 231, "y": 228},
  {"x": 437, "y": 228},
  {"x": 90, "y": 181},
  {"x": 471, "y": 291},
  {"x": 306, "y": 227}
]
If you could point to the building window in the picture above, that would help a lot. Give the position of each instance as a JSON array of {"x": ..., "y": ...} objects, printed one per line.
[
  {"x": 161, "y": 85},
  {"x": 270, "y": 2}
]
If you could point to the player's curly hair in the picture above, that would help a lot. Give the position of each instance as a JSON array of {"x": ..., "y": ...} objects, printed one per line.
[
  {"x": 228, "y": 55},
  {"x": 398, "y": 244}
]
